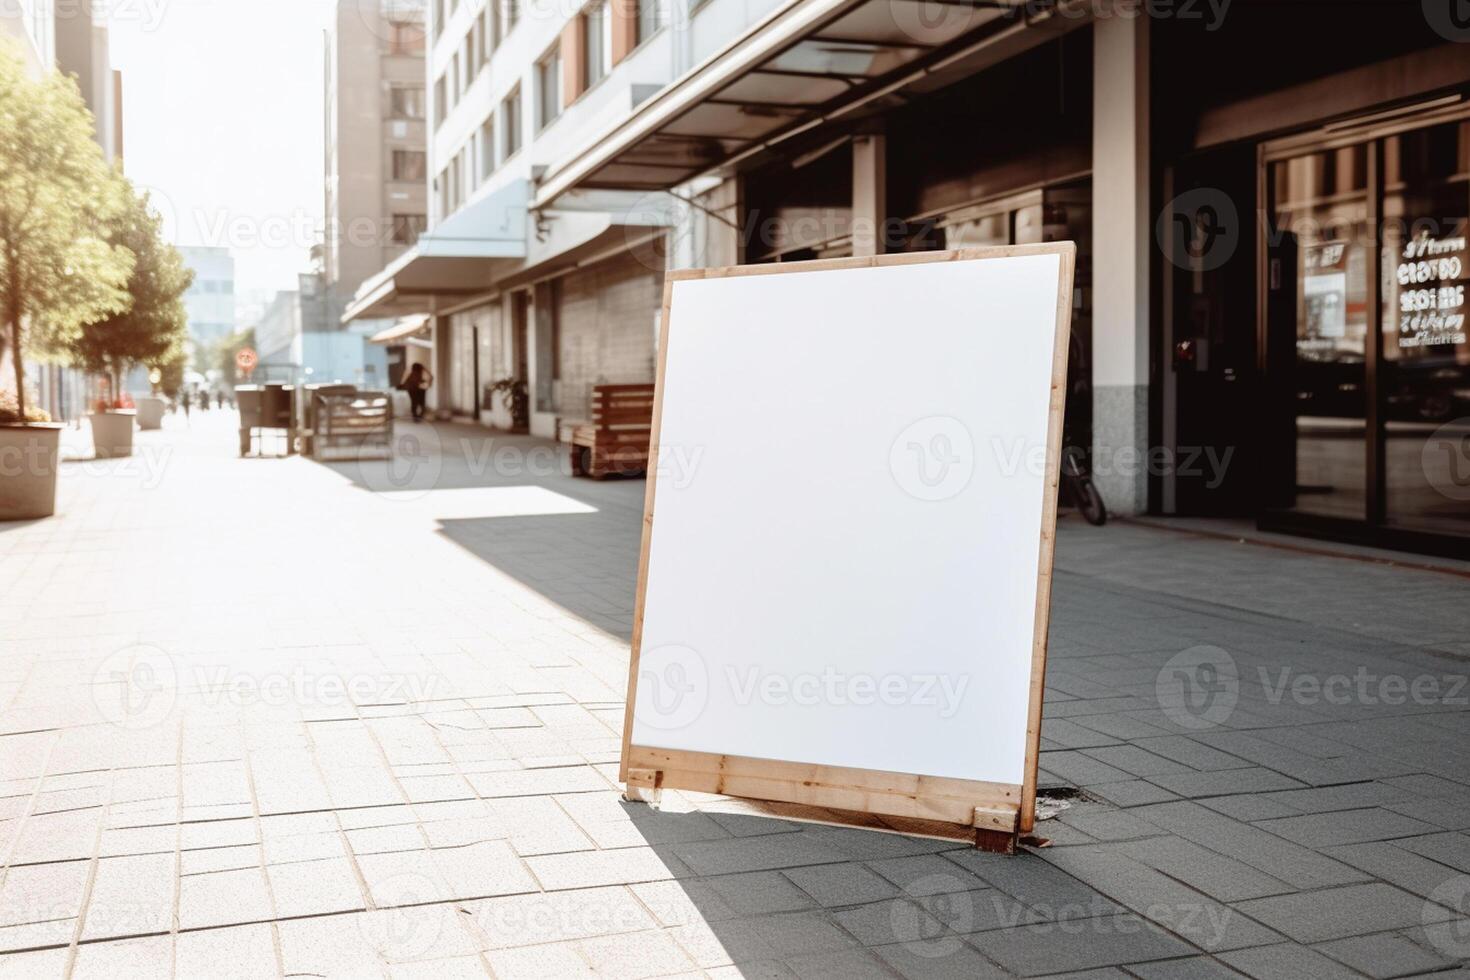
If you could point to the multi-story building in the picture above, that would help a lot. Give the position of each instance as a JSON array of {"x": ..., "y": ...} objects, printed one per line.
[
  {"x": 210, "y": 300},
  {"x": 300, "y": 337},
  {"x": 376, "y": 135},
  {"x": 31, "y": 25},
  {"x": 1269, "y": 206}
]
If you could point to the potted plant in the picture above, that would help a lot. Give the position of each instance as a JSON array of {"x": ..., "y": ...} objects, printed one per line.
[
  {"x": 57, "y": 268},
  {"x": 112, "y": 426},
  {"x": 515, "y": 398},
  {"x": 149, "y": 328},
  {"x": 29, "y": 455}
]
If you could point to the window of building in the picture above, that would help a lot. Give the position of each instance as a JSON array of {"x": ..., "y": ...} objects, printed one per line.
[
  {"x": 510, "y": 123},
  {"x": 477, "y": 43},
  {"x": 492, "y": 32},
  {"x": 408, "y": 227},
  {"x": 596, "y": 43},
  {"x": 409, "y": 165},
  {"x": 548, "y": 87},
  {"x": 648, "y": 20},
  {"x": 438, "y": 17},
  {"x": 467, "y": 60},
  {"x": 455, "y": 86},
  {"x": 439, "y": 102},
  {"x": 487, "y": 148},
  {"x": 407, "y": 102},
  {"x": 405, "y": 37},
  {"x": 512, "y": 14}
]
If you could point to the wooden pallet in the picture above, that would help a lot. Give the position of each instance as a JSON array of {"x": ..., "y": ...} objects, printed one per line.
[
  {"x": 616, "y": 440},
  {"x": 353, "y": 426}
]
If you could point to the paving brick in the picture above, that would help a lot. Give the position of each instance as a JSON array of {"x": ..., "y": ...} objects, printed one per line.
[
  {"x": 755, "y": 853},
  {"x": 131, "y": 896},
  {"x": 842, "y": 884},
  {"x": 1220, "y": 877},
  {"x": 1223, "y": 782},
  {"x": 761, "y": 938},
  {"x": 1345, "y": 827},
  {"x": 722, "y": 897},
  {"x": 1383, "y": 956},
  {"x": 1103, "y": 941},
  {"x": 223, "y": 898},
  {"x": 1292, "y": 863},
  {"x": 591, "y": 869},
  {"x": 1286, "y": 962},
  {"x": 946, "y": 958},
  {"x": 146, "y": 958},
  {"x": 243, "y": 951},
  {"x": 1336, "y": 913},
  {"x": 314, "y": 887}
]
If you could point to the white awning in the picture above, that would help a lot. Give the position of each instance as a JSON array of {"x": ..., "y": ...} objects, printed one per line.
[
  {"x": 809, "y": 63},
  {"x": 457, "y": 259},
  {"x": 405, "y": 327}
]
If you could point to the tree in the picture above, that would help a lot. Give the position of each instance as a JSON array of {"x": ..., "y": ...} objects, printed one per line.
[
  {"x": 57, "y": 193},
  {"x": 151, "y": 328},
  {"x": 224, "y": 354}
]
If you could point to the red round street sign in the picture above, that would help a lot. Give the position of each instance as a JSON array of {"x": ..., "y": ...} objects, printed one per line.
[{"x": 245, "y": 359}]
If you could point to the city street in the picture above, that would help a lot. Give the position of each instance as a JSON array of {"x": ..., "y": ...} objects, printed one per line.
[{"x": 277, "y": 717}]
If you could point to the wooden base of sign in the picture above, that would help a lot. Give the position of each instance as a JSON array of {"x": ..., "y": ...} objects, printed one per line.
[{"x": 988, "y": 811}]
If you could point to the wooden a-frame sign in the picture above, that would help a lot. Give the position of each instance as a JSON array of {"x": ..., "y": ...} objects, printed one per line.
[{"x": 777, "y": 384}]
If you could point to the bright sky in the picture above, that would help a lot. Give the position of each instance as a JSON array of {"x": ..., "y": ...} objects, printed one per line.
[{"x": 222, "y": 121}]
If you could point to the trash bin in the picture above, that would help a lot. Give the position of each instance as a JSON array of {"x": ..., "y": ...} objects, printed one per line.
[
  {"x": 267, "y": 406},
  {"x": 306, "y": 410}
]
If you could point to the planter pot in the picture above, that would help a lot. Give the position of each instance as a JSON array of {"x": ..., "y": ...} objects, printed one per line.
[
  {"x": 150, "y": 413},
  {"x": 112, "y": 432},
  {"x": 28, "y": 463}
]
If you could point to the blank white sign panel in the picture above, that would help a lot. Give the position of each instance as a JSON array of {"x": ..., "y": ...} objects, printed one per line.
[{"x": 847, "y": 520}]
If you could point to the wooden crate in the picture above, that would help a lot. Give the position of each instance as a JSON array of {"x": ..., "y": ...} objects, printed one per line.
[{"x": 616, "y": 440}]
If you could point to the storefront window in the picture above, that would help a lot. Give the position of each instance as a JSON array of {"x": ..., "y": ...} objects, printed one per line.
[
  {"x": 1319, "y": 238},
  {"x": 1426, "y": 357}
]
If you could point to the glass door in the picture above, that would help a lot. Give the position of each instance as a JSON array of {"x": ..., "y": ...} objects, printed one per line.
[
  {"x": 1366, "y": 268},
  {"x": 1425, "y": 374},
  {"x": 1319, "y": 257}
]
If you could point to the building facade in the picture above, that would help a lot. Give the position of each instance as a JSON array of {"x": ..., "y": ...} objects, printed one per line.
[
  {"x": 1269, "y": 309},
  {"x": 376, "y": 135},
  {"x": 210, "y": 300}
]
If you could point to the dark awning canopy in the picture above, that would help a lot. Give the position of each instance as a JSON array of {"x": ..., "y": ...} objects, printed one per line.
[{"x": 810, "y": 62}]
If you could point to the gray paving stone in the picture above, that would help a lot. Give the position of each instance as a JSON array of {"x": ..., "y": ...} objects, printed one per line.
[
  {"x": 1287, "y": 962},
  {"x": 1181, "y": 910},
  {"x": 1131, "y": 792},
  {"x": 1192, "y": 968},
  {"x": 1384, "y": 955},
  {"x": 946, "y": 958},
  {"x": 1224, "y": 782},
  {"x": 1346, "y": 827},
  {"x": 1337, "y": 913},
  {"x": 755, "y": 853},
  {"x": 1292, "y": 863},
  {"x": 1083, "y": 944},
  {"x": 1218, "y": 876},
  {"x": 842, "y": 884}
]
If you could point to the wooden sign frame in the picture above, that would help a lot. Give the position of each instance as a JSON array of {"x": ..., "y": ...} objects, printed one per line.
[{"x": 997, "y": 812}]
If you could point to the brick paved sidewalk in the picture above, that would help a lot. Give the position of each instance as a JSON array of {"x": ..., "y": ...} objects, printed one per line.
[{"x": 268, "y": 717}]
